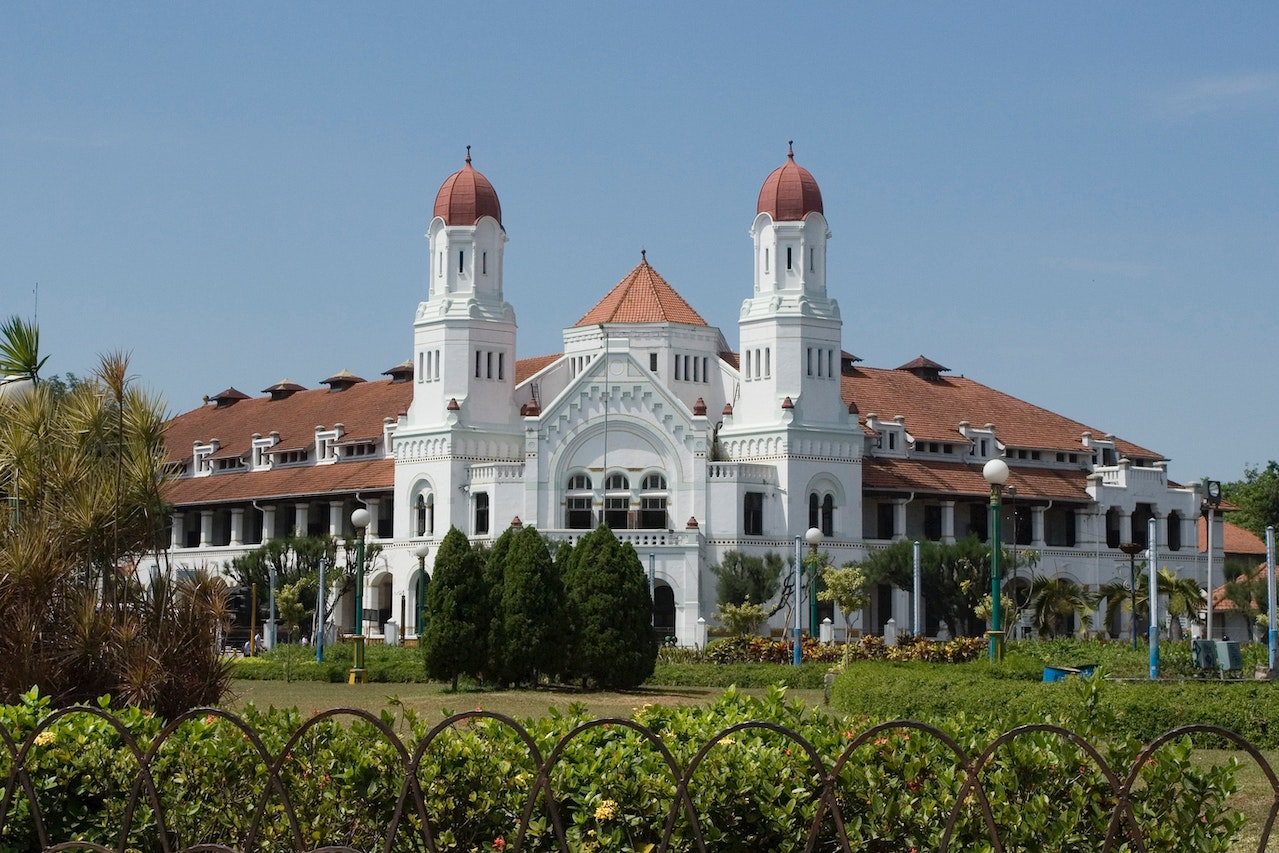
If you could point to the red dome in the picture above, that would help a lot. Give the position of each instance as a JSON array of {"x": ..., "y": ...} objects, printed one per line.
[
  {"x": 467, "y": 195},
  {"x": 790, "y": 193}
]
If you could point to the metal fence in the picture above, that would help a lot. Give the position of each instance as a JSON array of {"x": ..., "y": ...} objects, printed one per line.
[{"x": 277, "y": 815}]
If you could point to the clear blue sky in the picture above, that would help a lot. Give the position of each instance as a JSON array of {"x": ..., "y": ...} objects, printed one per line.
[{"x": 1075, "y": 203}]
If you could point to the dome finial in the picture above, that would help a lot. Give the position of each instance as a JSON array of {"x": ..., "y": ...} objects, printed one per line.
[
  {"x": 468, "y": 155},
  {"x": 643, "y": 256},
  {"x": 790, "y": 149}
]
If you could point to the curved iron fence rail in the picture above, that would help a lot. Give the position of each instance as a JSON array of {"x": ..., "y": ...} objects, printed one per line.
[{"x": 410, "y": 827}]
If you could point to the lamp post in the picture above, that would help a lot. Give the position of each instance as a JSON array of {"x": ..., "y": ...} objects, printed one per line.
[
  {"x": 1132, "y": 549},
  {"x": 360, "y": 520},
  {"x": 813, "y": 536},
  {"x": 421, "y": 552},
  {"x": 995, "y": 473},
  {"x": 798, "y": 656},
  {"x": 1212, "y": 500},
  {"x": 1152, "y": 536}
]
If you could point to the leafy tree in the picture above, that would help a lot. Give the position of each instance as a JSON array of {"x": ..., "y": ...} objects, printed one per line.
[
  {"x": 955, "y": 577},
  {"x": 83, "y": 472},
  {"x": 1053, "y": 601},
  {"x": 1249, "y": 593},
  {"x": 847, "y": 587},
  {"x": 745, "y": 577},
  {"x": 295, "y": 561},
  {"x": 609, "y": 611},
  {"x": 741, "y": 619},
  {"x": 535, "y": 641},
  {"x": 455, "y": 631},
  {"x": 1257, "y": 497}
]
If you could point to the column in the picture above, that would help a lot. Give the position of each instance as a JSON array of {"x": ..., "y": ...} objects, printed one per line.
[
  {"x": 899, "y": 518},
  {"x": 1125, "y": 526},
  {"x": 268, "y": 523},
  {"x": 1037, "y": 526},
  {"x": 301, "y": 510},
  {"x": 336, "y": 521},
  {"x": 206, "y": 527},
  {"x": 237, "y": 526},
  {"x": 948, "y": 522},
  {"x": 177, "y": 537},
  {"x": 375, "y": 516}
]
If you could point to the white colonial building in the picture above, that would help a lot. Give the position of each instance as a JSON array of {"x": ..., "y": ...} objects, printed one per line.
[{"x": 652, "y": 422}]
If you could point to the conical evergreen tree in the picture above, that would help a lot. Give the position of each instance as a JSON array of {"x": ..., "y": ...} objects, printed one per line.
[
  {"x": 455, "y": 633},
  {"x": 610, "y": 613},
  {"x": 535, "y": 638},
  {"x": 494, "y": 571}
]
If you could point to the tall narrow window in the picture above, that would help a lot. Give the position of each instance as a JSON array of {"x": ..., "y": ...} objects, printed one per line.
[
  {"x": 652, "y": 361},
  {"x": 756, "y": 364},
  {"x": 653, "y": 503},
  {"x": 484, "y": 263},
  {"x": 810, "y": 361},
  {"x": 753, "y": 514},
  {"x": 501, "y": 365},
  {"x": 748, "y": 365},
  {"x": 481, "y": 513},
  {"x": 488, "y": 359},
  {"x": 577, "y": 504},
  {"x": 814, "y": 510},
  {"x": 768, "y": 362},
  {"x": 678, "y": 364},
  {"x": 766, "y": 260},
  {"x": 479, "y": 363},
  {"x": 706, "y": 369},
  {"x": 697, "y": 370},
  {"x": 617, "y": 501},
  {"x": 461, "y": 262},
  {"x": 439, "y": 266},
  {"x": 828, "y": 516},
  {"x": 421, "y": 366},
  {"x": 788, "y": 257},
  {"x": 811, "y": 267}
]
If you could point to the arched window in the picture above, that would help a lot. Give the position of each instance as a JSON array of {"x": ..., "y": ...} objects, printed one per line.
[
  {"x": 813, "y": 509},
  {"x": 577, "y": 503},
  {"x": 653, "y": 503},
  {"x": 617, "y": 501},
  {"x": 828, "y": 516}
]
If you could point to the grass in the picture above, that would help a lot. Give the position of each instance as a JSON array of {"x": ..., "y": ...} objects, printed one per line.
[{"x": 434, "y": 701}]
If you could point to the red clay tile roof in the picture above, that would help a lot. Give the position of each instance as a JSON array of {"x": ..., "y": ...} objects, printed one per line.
[
  {"x": 1236, "y": 540},
  {"x": 467, "y": 195},
  {"x": 360, "y": 409},
  {"x": 526, "y": 367},
  {"x": 931, "y": 477},
  {"x": 303, "y": 481},
  {"x": 642, "y": 297},
  {"x": 933, "y": 410},
  {"x": 790, "y": 193}
]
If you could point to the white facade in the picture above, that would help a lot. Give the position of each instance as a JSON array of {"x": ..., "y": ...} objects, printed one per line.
[{"x": 687, "y": 447}]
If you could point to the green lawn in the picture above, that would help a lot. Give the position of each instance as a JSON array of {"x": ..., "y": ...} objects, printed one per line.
[{"x": 433, "y": 701}]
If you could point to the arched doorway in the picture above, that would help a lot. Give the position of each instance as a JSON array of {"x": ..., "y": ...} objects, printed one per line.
[{"x": 663, "y": 611}]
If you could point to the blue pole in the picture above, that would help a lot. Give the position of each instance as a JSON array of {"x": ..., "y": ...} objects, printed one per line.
[
  {"x": 1152, "y": 532},
  {"x": 1270, "y": 594},
  {"x": 799, "y": 654}
]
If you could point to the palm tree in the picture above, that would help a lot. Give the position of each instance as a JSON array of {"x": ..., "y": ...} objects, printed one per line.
[
  {"x": 1118, "y": 597},
  {"x": 1184, "y": 598},
  {"x": 1054, "y": 601},
  {"x": 20, "y": 351}
]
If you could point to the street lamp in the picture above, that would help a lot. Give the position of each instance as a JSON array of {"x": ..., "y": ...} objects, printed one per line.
[
  {"x": 813, "y": 536},
  {"x": 421, "y": 551},
  {"x": 995, "y": 473},
  {"x": 1212, "y": 490},
  {"x": 360, "y": 521},
  {"x": 1132, "y": 549}
]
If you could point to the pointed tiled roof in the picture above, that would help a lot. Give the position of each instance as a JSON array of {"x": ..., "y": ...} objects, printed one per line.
[{"x": 642, "y": 297}]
